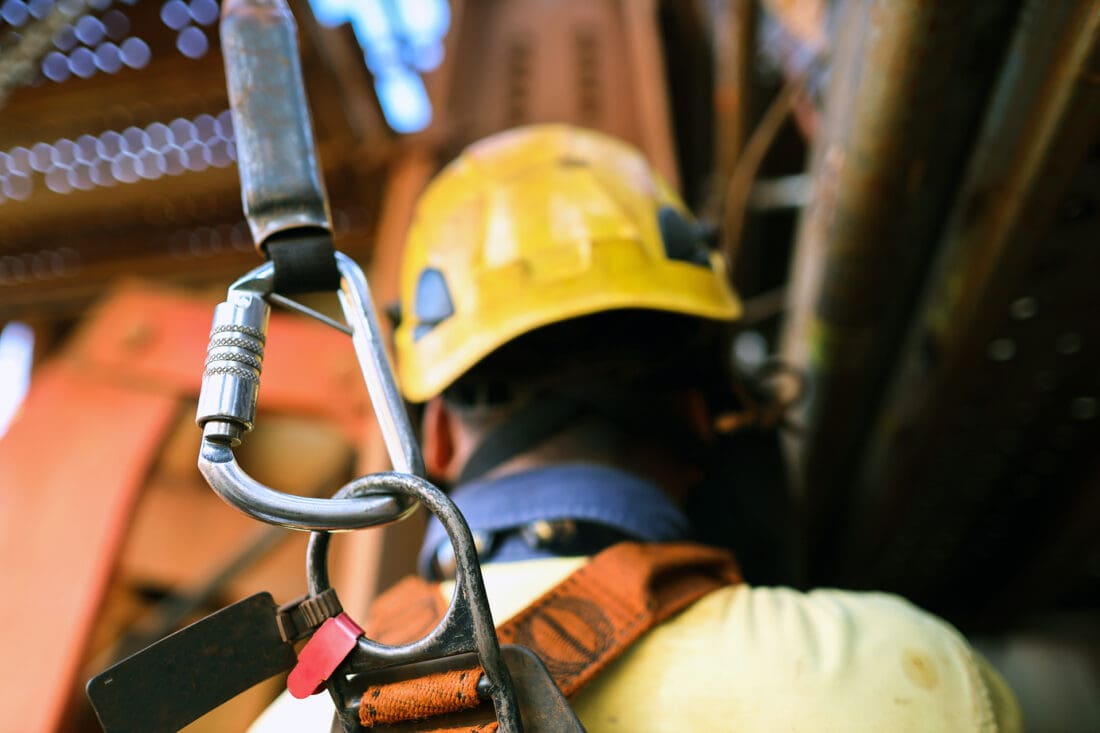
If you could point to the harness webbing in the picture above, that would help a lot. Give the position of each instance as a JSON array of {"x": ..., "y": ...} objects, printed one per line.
[
  {"x": 305, "y": 262},
  {"x": 577, "y": 628}
]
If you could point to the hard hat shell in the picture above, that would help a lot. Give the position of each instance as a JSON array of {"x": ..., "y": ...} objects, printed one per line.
[{"x": 534, "y": 226}]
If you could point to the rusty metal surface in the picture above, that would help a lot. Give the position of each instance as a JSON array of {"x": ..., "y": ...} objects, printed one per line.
[
  {"x": 909, "y": 80},
  {"x": 735, "y": 24},
  {"x": 281, "y": 186},
  {"x": 981, "y": 465},
  {"x": 595, "y": 64},
  {"x": 62, "y": 245}
]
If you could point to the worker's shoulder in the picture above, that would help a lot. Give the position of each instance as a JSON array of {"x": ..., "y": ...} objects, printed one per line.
[
  {"x": 838, "y": 660},
  {"x": 824, "y": 616}
]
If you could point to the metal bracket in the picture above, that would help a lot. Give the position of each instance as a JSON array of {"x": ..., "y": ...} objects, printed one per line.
[
  {"x": 467, "y": 627},
  {"x": 542, "y": 707}
]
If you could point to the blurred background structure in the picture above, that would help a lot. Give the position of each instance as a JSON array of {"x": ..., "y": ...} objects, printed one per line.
[{"x": 909, "y": 193}]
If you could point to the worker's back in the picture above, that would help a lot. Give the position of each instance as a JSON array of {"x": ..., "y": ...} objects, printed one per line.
[
  {"x": 775, "y": 659},
  {"x": 758, "y": 659}
]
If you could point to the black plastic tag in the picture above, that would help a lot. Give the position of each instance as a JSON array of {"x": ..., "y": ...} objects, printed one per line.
[{"x": 185, "y": 675}]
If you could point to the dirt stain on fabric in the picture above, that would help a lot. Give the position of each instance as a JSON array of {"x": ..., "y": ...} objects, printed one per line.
[{"x": 920, "y": 669}]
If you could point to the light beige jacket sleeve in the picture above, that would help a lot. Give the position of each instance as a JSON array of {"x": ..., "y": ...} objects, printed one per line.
[{"x": 762, "y": 659}]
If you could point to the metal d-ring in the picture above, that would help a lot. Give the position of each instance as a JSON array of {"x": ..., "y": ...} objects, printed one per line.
[
  {"x": 227, "y": 406},
  {"x": 467, "y": 627}
]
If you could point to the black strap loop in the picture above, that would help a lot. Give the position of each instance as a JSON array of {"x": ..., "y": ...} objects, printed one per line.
[{"x": 305, "y": 261}]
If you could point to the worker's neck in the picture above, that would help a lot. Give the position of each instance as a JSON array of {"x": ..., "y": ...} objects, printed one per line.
[{"x": 674, "y": 482}]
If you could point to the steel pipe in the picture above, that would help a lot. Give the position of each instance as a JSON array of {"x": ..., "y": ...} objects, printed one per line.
[{"x": 909, "y": 80}]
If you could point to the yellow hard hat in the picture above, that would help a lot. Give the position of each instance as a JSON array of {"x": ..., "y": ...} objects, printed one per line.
[{"x": 534, "y": 226}]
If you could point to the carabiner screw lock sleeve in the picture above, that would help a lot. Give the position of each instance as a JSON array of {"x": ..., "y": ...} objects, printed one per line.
[{"x": 234, "y": 359}]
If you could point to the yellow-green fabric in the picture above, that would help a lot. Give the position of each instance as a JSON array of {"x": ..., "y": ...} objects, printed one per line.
[{"x": 762, "y": 659}]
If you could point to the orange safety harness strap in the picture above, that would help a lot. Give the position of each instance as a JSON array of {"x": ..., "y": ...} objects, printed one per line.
[
  {"x": 577, "y": 628},
  {"x": 72, "y": 470}
]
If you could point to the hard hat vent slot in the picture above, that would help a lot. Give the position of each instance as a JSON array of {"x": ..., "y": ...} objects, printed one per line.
[
  {"x": 433, "y": 303},
  {"x": 683, "y": 240}
]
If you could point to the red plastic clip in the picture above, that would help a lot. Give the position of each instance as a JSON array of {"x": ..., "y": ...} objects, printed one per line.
[{"x": 322, "y": 654}]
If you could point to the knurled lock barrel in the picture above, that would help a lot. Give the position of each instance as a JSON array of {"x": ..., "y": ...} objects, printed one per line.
[{"x": 231, "y": 379}]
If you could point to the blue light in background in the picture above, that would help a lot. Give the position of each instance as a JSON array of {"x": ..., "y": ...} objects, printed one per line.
[
  {"x": 400, "y": 40},
  {"x": 404, "y": 100},
  {"x": 16, "y": 353}
]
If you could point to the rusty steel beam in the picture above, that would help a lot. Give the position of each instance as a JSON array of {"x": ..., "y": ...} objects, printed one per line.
[
  {"x": 734, "y": 60},
  {"x": 909, "y": 80},
  {"x": 593, "y": 64},
  {"x": 990, "y": 420}
]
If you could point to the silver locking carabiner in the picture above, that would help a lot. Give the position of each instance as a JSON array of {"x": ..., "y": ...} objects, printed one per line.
[
  {"x": 285, "y": 204},
  {"x": 283, "y": 196},
  {"x": 227, "y": 405}
]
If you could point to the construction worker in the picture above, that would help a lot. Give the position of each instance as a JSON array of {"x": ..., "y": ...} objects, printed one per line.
[{"x": 562, "y": 325}]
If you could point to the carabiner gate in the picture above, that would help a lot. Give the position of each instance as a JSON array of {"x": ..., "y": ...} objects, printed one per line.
[{"x": 227, "y": 407}]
